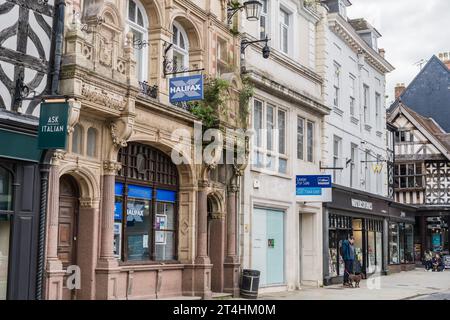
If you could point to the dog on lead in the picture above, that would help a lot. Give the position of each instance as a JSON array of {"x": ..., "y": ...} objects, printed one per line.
[{"x": 354, "y": 278}]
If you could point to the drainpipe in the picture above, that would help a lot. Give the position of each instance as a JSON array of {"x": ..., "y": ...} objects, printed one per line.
[{"x": 58, "y": 27}]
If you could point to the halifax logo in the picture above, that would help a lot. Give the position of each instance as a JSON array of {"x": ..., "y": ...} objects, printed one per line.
[{"x": 183, "y": 89}]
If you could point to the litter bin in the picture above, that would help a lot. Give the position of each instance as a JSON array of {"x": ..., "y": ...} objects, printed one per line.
[{"x": 250, "y": 284}]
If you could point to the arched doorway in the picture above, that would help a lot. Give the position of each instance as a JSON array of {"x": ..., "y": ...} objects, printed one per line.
[
  {"x": 69, "y": 195},
  {"x": 216, "y": 242}
]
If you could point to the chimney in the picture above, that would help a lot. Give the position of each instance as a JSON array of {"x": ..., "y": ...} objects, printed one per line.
[
  {"x": 445, "y": 58},
  {"x": 382, "y": 52},
  {"x": 399, "y": 88}
]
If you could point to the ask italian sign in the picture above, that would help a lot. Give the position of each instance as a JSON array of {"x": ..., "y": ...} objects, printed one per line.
[
  {"x": 313, "y": 188},
  {"x": 183, "y": 89},
  {"x": 53, "y": 125}
]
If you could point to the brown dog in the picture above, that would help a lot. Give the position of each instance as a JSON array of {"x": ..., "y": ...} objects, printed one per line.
[{"x": 356, "y": 278}]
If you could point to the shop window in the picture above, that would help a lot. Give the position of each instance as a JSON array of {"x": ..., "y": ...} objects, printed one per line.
[
  {"x": 137, "y": 23},
  {"x": 6, "y": 179},
  {"x": 393, "y": 244},
  {"x": 145, "y": 206},
  {"x": 77, "y": 137},
  {"x": 401, "y": 243},
  {"x": 92, "y": 142}
]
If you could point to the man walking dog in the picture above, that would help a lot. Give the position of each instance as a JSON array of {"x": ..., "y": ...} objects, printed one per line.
[{"x": 348, "y": 254}]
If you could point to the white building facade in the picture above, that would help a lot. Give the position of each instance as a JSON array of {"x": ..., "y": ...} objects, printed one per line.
[
  {"x": 279, "y": 236},
  {"x": 354, "y": 150}
]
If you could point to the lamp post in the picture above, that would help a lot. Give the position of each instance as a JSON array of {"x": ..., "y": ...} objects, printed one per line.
[{"x": 252, "y": 10}]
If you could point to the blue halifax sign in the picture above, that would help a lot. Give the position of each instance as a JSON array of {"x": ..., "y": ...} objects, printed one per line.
[
  {"x": 183, "y": 89},
  {"x": 312, "y": 187}
]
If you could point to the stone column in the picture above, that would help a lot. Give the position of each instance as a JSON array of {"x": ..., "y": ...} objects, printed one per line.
[
  {"x": 202, "y": 224},
  {"x": 107, "y": 267},
  {"x": 54, "y": 273},
  {"x": 202, "y": 267},
  {"x": 231, "y": 265}
]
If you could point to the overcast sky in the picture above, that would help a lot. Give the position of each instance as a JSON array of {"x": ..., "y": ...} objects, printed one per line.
[{"x": 411, "y": 30}]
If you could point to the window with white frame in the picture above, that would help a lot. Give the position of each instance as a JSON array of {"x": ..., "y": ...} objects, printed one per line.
[
  {"x": 337, "y": 141},
  {"x": 264, "y": 20},
  {"x": 137, "y": 23},
  {"x": 336, "y": 83},
  {"x": 300, "y": 138},
  {"x": 379, "y": 115},
  {"x": 366, "y": 102},
  {"x": 354, "y": 165},
  {"x": 352, "y": 81},
  {"x": 180, "y": 52},
  {"x": 285, "y": 23},
  {"x": 269, "y": 140},
  {"x": 310, "y": 131}
]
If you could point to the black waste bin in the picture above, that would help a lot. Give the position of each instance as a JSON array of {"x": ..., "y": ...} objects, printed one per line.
[{"x": 250, "y": 284}]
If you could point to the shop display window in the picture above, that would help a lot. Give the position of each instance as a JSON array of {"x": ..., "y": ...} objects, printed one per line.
[
  {"x": 401, "y": 243},
  {"x": 145, "y": 213},
  {"x": 5, "y": 190}
]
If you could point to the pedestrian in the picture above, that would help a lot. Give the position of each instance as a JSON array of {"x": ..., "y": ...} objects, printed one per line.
[
  {"x": 437, "y": 263},
  {"x": 348, "y": 254},
  {"x": 427, "y": 260}
]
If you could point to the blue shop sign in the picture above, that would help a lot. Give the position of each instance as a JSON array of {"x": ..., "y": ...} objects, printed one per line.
[{"x": 183, "y": 89}]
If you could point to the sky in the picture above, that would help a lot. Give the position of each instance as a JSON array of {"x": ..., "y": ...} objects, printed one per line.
[{"x": 411, "y": 30}]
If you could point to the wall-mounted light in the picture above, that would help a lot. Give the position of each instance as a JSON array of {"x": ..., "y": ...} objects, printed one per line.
[
  {"x": 246, "y": 43},
  {"x": 252, "y": 10}
]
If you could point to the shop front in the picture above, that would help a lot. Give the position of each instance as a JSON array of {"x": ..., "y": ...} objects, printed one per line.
[
  {"x": 432, "y": 232},
  {"x": 363, "y": 216},
  {"x": 402, "y": 249},
  {"x": 19, "y": 210}
]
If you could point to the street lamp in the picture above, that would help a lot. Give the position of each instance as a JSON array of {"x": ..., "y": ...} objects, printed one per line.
[
  {"x": 245, "y": 43},
  {"x": 252, "y": 10}
]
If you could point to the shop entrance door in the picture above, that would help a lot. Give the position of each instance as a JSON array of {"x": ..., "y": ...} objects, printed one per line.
[
  {"x": 67, "y": 226},
  {"x": 268, "y": 245}
]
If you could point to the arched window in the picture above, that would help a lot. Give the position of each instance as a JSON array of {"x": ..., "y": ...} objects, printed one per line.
[
  {"x": 76, "y": 139},
  {"x": 145, "y": 215},
  {"x": 5, "y": 190},
  {"x": 92, "y": 142},
  {"x": 137, "y": 23},
  {"x": 180, "y": 48}
]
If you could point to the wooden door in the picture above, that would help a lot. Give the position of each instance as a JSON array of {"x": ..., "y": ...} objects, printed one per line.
[{"x": 67, "y": 222}]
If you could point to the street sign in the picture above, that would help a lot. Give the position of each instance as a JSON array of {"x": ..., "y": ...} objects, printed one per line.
[
  {"x": 53, "y": 125},
  {"x": 183, "y": 89},
  {"x": 313, "y": 188}
]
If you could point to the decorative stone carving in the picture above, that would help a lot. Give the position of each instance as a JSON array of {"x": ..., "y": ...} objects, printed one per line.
[
  {"x": 58, "y": 155},
  {"x": 103, "y": 97},
  {"x": 233, "y": 188},
  {"x": 121, "y": 130},
  {"x": 111, "y": 167},
  {"x": 105, "y": 54},
  {"x": 218, "y": 215},
  {"x": 74, "y": 115}
]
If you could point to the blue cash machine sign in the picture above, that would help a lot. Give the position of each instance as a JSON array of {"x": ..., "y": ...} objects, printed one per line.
[{"x": 183, "y": 89}]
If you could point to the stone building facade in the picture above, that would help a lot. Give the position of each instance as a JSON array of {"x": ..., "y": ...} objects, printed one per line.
[{"x": 136, "y": 224}]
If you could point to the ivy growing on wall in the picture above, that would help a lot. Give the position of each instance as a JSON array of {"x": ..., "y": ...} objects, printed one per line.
[
  {"x": 247, "y": 92},
  {"x": 215, "y": 98}
]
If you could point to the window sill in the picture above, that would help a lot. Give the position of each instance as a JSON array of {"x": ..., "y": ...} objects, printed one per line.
[
  {"x": 270, "y": 173},
  {"x": 338, "y": 111},
  {"x": 149, "y": 264}
]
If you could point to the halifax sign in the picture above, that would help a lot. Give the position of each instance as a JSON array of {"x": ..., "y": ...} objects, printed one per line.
[{"x": 183, "y": 89}]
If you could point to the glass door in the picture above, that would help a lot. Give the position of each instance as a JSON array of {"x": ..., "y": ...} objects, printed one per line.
[{"x": 4, "y": 255}]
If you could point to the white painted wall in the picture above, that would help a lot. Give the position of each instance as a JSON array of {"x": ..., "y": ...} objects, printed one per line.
[
  {"x": 340, "y": 123},
  {"x": 295, "y": 71}
]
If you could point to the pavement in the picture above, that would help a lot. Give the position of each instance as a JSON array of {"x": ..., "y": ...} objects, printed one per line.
[{"x": 408, "y": 285}]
